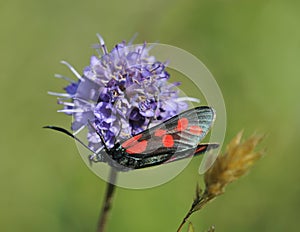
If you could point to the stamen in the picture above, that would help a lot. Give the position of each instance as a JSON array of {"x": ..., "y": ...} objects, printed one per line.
[
  {"x": 158, "y": 66},
  {"x": 151, "y": 45},
  {"x": 66, "y": 95},
  {"x": 104, "y": 49},
  {"x": 133, "y": 38},
  {"x": 73, "y": 70},
  {"x": 118, "y": 52},
  {"x": 80, "y": 129},
  {"x": 71, "y": 111},
  {"x": 186, "y": 99},
  {"x": 142, "y": 50},
  {"x": 83, "y": 101},
  {"x": 97, "y": 48},
  {"x": 65, "y": 103},
  {"x": 174, "y": 84},
  {"x": 64, "y": 77}
]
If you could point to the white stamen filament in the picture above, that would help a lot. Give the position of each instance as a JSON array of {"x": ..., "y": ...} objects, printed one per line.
[
  {"x": 187, "y": 99},
  {"x": 140, "y": 51},
  {"x": 64, "y": 77},
  {"x": 66, "y": 103},
  {"x": 66, "y": 95},
  {"x": 104, "y": 49},
  {"x": 71, "y": 111},
  {"x": 132, "y": 39},
  {"x": 73, "y": 70},
  {"x": 80, "y": 129},
  {"x": 83, "y": 101}
]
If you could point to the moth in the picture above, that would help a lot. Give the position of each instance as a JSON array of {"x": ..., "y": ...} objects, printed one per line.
[{"x": 174, "y": 139}]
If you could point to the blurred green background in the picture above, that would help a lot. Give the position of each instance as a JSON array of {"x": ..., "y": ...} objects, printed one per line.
[{"x": 251, "y": 47}]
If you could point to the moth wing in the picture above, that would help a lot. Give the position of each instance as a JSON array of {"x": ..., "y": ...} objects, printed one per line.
[
  {"x": 201, "y": 149},
  {"x": 179, "y": 134}
]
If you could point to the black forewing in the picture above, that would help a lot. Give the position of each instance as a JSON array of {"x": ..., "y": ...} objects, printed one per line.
[
  {"x": 184, "y": 140},
  {"x": 201, "y": 149}
]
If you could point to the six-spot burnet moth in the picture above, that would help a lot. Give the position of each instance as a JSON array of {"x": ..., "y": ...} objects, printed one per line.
[{"x": 174, "y": 139}]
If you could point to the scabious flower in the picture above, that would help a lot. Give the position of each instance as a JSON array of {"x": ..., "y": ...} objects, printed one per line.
[{"x": 122, "y": 92}]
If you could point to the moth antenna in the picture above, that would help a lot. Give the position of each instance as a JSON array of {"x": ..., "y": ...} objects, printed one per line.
[
  {"x": 70, "y": 135},
  {"x": 100, "y": 135}
]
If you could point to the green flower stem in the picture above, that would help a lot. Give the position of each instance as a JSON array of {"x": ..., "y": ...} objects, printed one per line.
[
  {"x": 198, "y": 204},
  {"x": 107, "y": 201},
  {"x": 184, "y": 220}
]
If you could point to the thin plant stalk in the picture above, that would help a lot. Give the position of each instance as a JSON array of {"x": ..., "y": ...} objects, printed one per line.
[
  {"x": 107, "y": 203},
  {"x": 198, "y": 203},
  {"x": 184, "y": 220},
  {"x": 236, "y": 162}
]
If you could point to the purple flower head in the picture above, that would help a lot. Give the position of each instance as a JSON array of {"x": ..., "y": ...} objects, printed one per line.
[{"x": 121, "y": 92}]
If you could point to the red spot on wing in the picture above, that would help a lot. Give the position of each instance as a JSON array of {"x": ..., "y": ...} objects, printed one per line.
[
  {"x": 182, "y": 124},
  {"x": 132, "y": 141},
  {"x": 201, "y": 148},
  {"x": 137, "y": 148},
  {"x": 196, "y": 130},
  {"x": 168, "y": 141},
  {"x": 160, "y": 132}
]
